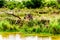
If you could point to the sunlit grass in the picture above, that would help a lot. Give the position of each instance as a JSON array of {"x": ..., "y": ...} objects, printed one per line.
[{"x": 8, "y": 22}]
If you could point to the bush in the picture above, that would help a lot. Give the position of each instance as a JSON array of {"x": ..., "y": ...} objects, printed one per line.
[
  {"x": 49, "y": 3},
  {"x": 33, "y": 3},
  {"x": 55, "y": 27},
  {"x": 37, "y": 3},
  {"x": 20, "y": 5},
  {"x": 29, "y": 4},
  {"x": 58, "y": 6},
  {"x": 6, "y": 26},
  {"x": 2, "y": 3},
  {"x": 11, "y": 5}
]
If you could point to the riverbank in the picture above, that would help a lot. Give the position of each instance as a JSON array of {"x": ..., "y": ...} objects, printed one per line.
[{"x": 30, "y": 21}]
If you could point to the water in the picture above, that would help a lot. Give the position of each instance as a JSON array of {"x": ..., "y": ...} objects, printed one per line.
[{"x": 18, "y": 37}]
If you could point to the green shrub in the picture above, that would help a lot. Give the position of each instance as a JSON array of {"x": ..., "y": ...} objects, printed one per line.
[
  {"x": 33, "y": 3},
  {"x": 58, "y": 6},
  {"x": 29, "y": 4},
  {"x": 2, "y": 2},
  {"x": 20, "y": 5},
  {"x": 37, "y": 3},
  {"x": 13, "y": 4},
  {"x": 49, "y": 3},
  {"x": 6, "y": 26},
  {"x": 55, "y": 27},
  {"x": 10, "y": 4}
]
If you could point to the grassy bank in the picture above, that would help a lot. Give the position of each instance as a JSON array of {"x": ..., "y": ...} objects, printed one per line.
[{"x": 31, "y": 21}]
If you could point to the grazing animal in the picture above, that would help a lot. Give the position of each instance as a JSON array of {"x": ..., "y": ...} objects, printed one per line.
[{"x": 28, "y": 16}]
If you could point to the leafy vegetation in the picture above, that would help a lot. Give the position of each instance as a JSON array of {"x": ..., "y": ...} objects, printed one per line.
[
  {"x": 2, "y": 3},
  {"x": 35, "y": 16},
  {"x": 32, "y": 22},
  {"x": 29, "y": 4}
]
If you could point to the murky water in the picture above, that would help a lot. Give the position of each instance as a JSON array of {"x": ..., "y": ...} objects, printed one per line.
[
  {"x": 18, "y": 37},
  {"x": 14, "y": 36}
]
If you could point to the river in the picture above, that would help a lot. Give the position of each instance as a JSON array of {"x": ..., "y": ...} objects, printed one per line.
[{"x": 18, "y": 36}]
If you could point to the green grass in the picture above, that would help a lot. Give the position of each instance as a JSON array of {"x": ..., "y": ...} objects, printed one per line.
[{"x": 8, "y": 23}]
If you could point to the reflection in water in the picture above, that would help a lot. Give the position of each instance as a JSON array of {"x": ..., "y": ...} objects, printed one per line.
[
  {"x": 31, "y": 38},
  {"x": 18, "y": 37},
  {"x": 46, "y": 38},
  {"x": 4, "y": 38},
  {"x": 1, "y": 37},
  {"x": 11, "y": 37}
]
